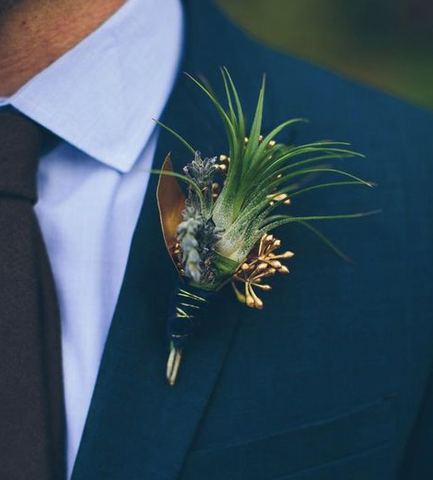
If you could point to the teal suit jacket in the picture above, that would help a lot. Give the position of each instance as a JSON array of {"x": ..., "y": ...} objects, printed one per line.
[{"x": 333, "y": 379}]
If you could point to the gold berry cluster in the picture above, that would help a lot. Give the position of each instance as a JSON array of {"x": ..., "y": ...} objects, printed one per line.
[{"x": 260, "y": 264}]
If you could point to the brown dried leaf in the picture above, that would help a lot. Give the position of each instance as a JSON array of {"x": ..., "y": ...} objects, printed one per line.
[{"x": 171, "y": 203}]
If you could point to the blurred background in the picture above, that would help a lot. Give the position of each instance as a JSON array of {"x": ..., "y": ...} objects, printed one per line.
[{"x": 385, "y": 43}]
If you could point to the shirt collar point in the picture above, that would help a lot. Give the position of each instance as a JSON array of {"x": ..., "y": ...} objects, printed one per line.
[{"x": 121, "y": 160}]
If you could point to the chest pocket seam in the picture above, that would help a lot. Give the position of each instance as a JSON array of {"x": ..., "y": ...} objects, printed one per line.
[{"x": 302, "y": 447}]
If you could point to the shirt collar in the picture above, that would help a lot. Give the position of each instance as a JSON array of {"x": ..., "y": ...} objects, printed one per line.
[{"x": 102, "y": 95}]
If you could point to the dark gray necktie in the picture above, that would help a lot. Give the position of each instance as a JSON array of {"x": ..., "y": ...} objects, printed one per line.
[{"x": 32, "y": 420}]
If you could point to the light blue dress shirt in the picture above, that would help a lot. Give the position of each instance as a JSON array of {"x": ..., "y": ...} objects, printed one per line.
[{"x": 100, "y": 99}]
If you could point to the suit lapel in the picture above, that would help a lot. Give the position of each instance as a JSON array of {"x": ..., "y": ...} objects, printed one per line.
[{"x": 138, "y": 426}]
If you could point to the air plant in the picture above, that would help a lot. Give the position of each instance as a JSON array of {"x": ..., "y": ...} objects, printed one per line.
[{"x": 220, "y": 232}]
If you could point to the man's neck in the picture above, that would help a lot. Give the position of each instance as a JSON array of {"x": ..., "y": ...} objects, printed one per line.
[{"x": 35, "y": 33}]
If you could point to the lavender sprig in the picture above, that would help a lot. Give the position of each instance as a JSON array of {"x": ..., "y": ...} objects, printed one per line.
[{"x": 202, "y": 171}]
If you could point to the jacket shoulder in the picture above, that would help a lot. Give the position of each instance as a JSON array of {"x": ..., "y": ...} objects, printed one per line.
[{"x": 293, "y": 82}]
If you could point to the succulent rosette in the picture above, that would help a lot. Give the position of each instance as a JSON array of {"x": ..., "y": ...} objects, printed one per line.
[{"x": 219, "y": 231}]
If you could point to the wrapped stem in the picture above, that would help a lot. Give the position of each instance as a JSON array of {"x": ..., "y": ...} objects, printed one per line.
[{"x": 183, "y": 321}]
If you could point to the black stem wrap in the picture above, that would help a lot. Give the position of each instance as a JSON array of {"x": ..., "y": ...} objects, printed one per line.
[{"x": 186, "y": 308}]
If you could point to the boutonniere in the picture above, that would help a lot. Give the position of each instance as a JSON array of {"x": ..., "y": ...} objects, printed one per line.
[{"x": 219, "y": 232}]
